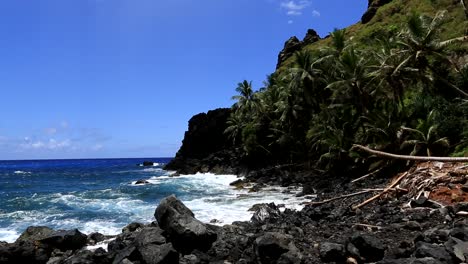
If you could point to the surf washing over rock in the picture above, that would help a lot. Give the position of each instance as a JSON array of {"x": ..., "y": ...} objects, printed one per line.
[{"x": 101, "y": 195}]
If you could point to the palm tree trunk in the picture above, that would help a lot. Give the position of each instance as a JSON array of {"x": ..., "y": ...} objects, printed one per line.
[
  {"x": 464, "y": 7},
  {"x": 406, "y": 157}
]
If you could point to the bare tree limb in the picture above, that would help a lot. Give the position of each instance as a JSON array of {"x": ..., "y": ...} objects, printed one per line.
[
  {"x": 464, "y": 7},
  {"x": 407, "y": 157},
  {"x": 390, "y": 187},
  {"x": 367, "y": 175},
  {"x": 339, "y": 197}
]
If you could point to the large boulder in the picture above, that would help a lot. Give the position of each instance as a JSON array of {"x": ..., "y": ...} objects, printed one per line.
[
  {"x": 34, "y": 233},
  {"x": 65, "y": 240},
  {"x": 184, "y": 231},
  {"x": 367, "y": 247},
  {"x": 274, "y": 247},
  {"x": 265, "y": 212}
]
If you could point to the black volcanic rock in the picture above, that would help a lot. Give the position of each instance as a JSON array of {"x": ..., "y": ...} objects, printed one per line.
[
  {"x": 293, "y": 44},
  {"x": 205, "y": 134},
  {"x": 372, "y": 8},
  {"x": 184, "y": 231},
  {"x": 310, "y": 37},
  {"x": 205, "y": 147},
  {"x": 290, "y": 46},
  {"x": 66, "y": 239}
]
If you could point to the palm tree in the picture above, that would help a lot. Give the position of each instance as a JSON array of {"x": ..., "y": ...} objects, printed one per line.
[
  {"x": 352, "y": 79},
  {"x": 235, "y": 124},
  {"x": 420, "y": 44},
  {"x": 245, "y": 98},
  {"x": 424, "y": 138}
]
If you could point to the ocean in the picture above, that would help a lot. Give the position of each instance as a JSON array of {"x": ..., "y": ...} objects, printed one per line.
[{"x": 100, "y": 195}]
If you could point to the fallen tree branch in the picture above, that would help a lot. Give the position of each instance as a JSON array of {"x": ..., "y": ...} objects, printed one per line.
[
  {"x": 382, "y": 193},
  {"x": 339, "y": 197},
  {"x": 367, "y": 175},
  {"x": 368, "y": 226},
  {"x": 407, "y": 157}
]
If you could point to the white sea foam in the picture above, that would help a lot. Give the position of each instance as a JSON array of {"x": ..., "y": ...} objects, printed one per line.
[
  {"x": 102, "y": 244},
  {"x": 8, "y": 235},
  {"x": 228, "y": 204},
  {"x": 209, "y": 196},
  {"x": 22, "y": 172}
]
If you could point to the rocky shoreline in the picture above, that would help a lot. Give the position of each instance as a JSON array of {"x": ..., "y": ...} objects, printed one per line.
[{"x": 393, "y": 229}]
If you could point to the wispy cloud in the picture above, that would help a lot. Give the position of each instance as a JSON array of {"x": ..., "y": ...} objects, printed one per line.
[
  {"x": 51, "y": 144},
  {"x": 315, "y": 13},
  {"x": 294, "y": 7},
  {"x": 290, "y": 21}
]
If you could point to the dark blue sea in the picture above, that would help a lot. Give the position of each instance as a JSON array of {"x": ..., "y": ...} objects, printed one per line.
[{"x": 100, "y": 195}]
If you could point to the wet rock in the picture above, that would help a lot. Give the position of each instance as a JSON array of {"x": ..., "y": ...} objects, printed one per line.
[
  {"x": 370, "y": 248},
  {"x": 424, "y": 250},
  {"x": 65, "y": 239},
  {"x": 332, "y": 252},
  {"x": 237, "y": 183},
  {"x": 141, "y": 182},
  {"x": 34, "y": 233},
  {"x": 184, "y": 231},
  {"x": 264, "y": 212},
  {"x": 96, "y": 237},
  {"x": 132, "y": 227},
  {"x": 148, "y": 163}
]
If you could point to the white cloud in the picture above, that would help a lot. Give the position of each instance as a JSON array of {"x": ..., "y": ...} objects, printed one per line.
[
  {"x": 290, "y": 21},
  {"x": 50, "y": 144},
  {"x": 293, "y": 7},
  {"x": 316, "y": 13}
]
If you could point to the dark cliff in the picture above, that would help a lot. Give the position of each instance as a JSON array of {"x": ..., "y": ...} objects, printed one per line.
[{"x": 205, "y": 147}]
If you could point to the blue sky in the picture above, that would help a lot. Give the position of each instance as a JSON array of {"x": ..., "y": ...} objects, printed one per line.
[{"x": 121, "y": 78}]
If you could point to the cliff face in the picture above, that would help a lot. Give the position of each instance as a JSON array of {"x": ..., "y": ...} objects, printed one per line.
[
  {"x": 372, "y": 8},
  {"x": 205, "y": 134},
  {"x": 205, "y": 147}
]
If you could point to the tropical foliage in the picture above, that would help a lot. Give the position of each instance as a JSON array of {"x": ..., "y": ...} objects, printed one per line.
[{"x": 407, "y": 95}]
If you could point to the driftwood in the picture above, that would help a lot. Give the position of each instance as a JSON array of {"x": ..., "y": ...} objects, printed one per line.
[
  {"x": 367, "y": 175},
  {"x": 407, "y": 157},
  {"x": 368, "y": 226},
  {"x": 390, "y": 187},
  {"x": 339, "y": 197}
]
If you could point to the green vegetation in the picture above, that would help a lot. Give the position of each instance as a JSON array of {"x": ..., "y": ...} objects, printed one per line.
[{"x": 406, "y": 93}]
